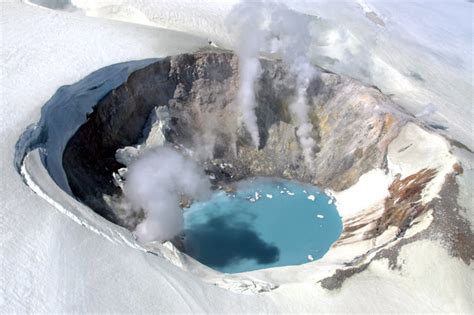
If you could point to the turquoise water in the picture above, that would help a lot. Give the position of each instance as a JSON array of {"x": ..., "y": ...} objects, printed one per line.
[{"x": 265, "y": 223}]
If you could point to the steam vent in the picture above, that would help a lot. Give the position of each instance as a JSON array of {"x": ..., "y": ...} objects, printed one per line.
[{"x": 390, "y": 177}]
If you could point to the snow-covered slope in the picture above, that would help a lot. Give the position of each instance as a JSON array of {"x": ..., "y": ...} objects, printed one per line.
[{"x": 52, "y": 264}]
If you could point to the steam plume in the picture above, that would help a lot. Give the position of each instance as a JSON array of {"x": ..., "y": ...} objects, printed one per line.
[
  {"x": 155, "y": 182},
  {"x": 292, "y": 42},
  {"x": 245, "y": 23},
  {"x": 286, "y": 32}
]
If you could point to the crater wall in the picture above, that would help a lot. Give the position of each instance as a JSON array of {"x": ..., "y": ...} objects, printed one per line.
[{"x": 353, "y": 125}]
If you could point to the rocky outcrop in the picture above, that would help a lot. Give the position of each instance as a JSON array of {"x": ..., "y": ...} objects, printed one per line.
[{"x": 398, "y": 210}]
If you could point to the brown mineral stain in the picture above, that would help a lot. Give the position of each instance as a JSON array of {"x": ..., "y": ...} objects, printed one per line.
[{"x": 457, "y": 168}]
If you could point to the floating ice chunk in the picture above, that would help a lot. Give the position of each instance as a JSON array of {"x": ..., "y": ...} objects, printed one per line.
[
  {"x": 252, "y": 199},
  {"x": 311, "y": 197},
  {"x": 290, "y": 193},
  {"x": 282, "y": 192},
  {"x": 320, "y": 216},
  {"x": 257, "y": 196},
  {"x": 269, "y": 196},
  {"x": 304, "y": 191},
  {"x": 329, "y": 201},
  {"x": 310, "y": 257}
]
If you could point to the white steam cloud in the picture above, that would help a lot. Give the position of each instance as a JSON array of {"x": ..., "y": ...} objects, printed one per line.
[
  {"x": 270, "y": 25},
  {"x": 155, "y": 183},
  {"x": 245, "y": 24},
  {"x": 292, "y": 42}
]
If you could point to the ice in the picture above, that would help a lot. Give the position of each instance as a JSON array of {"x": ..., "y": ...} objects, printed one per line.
[
  {"x": 311, "y": 197},
  {"x": 269, "y": 196},
  {"x": 320, "y": 216}
]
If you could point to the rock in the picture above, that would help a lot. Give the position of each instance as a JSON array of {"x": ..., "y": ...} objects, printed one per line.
[
  {"x": 153, "y": 136},
  {"x": 185, "y": 202},
  {"x": 457, "y": 168}
]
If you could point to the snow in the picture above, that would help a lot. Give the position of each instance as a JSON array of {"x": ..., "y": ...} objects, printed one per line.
[
  {"x": 414, "y": 149},
  {"x": 466, "y": 182},
  {"x": 58, "y": 256},
  {"x": 421, "y": 55},
  {"x": 25, "y": 67},
  {"x": 425, "y": 150},
  {"x": 356, "y": 198}
]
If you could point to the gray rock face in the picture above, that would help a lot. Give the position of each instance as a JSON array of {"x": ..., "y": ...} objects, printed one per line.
[{"x": 353, "y": 125}]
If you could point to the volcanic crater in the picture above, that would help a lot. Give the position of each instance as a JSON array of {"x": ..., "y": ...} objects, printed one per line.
[{"x": 188, "y": 102}]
